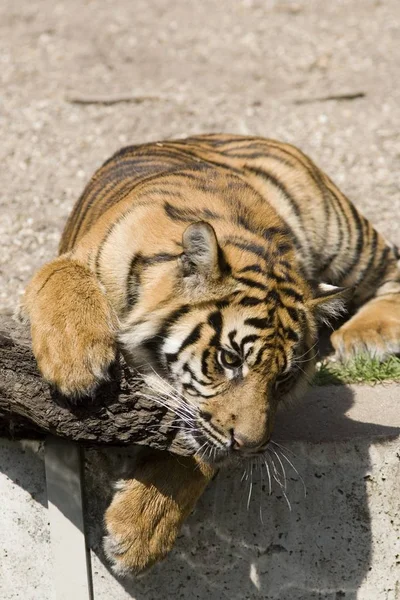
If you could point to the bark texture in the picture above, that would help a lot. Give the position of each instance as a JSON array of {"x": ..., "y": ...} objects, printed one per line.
[{"x": 115, "y": 415}]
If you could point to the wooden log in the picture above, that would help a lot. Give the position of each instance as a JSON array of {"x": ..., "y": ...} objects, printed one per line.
[{"x": 116, "y": 414}]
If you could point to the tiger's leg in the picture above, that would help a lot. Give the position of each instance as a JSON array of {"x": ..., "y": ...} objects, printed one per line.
[
  {"x": 146, "y": 513},
  {"x": 74, "y": 341},
  {"x": 73, "y": 326},
  {"x": 375, "y": 328}
]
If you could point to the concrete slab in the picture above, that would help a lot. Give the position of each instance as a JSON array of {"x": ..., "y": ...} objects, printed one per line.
[{"x": 341, "y": 540}]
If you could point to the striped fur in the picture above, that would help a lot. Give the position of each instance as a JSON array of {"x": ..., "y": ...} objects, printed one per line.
[{"x": 210, "y": 262}]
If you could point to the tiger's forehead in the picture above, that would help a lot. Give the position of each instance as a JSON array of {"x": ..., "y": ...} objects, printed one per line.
[
  {"x": 237, "y": 325},
  {"x": 268, "y": 324}
]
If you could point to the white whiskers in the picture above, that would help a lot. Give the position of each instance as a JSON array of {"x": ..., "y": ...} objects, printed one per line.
[{"x": 272, "y": 462}]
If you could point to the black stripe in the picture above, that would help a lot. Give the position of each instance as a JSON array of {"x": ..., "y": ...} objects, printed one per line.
[
  {"x": 290, "y": 334},
  {"x": 292, "y": 293},
  {"x": 243, "y": 220},
  {"x": 188, "y": 215},
  {"x": 273, "y": 231},
  {"x": 215, "y": 321},
  {"x": 193, "y": 337},
  {"x": 250, "y": 247},
  {"x": 253, "y": 269},
  {"x": 220, "y": 304},
  {"x": 195, "y": 154},
  {"x": 223, "y": 264},
  {"x": 187, "y": 368},
  {"x": 259, "y": 323},
  {"x": 372, "y": 256},
  {"x": 357, "y": 249},
  {"x": 219, "y": 141},
  {"x": 154, "y": 343},
  {"x": 190, "y": 339},
  {"x": 234, "y": 344},
  {"x": 204, "y": 366},
  {"x": 248, "y": 338},
  {"x": 379, "y": 270},
  {"x": 284, "y": 247},
  {"x": 338, "y": 212},
  {"x": 286, "y": 278},
  {"x": 263, "y": 174},
  {"x": 293, "y": 313},
  {"x": 258, "y": 358},
  {"x": 211, "y": 433},
  {"x": 286, "y": 264},
  {"x": 266, "y": 155},
  {"x": 274, "y": 295},
  {"x": 251, "y": 301},
  {"x": 164, "y": 192},
  {"x": 251, "y": 283},
  {"x": 133, "y": 282},
  {"x": 190, "y": 388},
  {"x": 159, "y": 258}
]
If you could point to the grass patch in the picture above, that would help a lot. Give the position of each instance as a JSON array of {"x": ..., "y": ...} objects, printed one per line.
[{"x": 361, "y": 369}]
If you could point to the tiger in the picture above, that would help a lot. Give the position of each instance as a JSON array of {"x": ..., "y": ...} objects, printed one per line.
[{"x": 209, "y": 262}]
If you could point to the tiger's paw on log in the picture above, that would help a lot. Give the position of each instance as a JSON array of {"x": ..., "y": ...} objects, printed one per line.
[
  {"x": 73, "y": 326},
  {"x": 147, "y": 512}
]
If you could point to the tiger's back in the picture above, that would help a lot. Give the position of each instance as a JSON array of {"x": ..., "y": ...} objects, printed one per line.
[{"x": 195, "y": 179}]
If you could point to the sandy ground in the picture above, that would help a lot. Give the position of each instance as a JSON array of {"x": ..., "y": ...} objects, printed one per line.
[{"x": 207, "y": 66}]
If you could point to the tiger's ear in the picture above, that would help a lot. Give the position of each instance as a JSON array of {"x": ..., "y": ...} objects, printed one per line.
[
  {"x": 202, "y": 256},
  {"x": 329, "y": 301}
]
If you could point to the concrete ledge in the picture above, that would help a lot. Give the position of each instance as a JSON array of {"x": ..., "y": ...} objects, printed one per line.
[
  {"x": 341, "y": 540},
  {"x": 338, "y": 413}
]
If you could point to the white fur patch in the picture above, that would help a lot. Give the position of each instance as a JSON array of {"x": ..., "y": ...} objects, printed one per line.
[{"x": 133, "y": 337}]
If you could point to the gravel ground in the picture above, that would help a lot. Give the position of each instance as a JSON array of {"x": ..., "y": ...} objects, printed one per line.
[{"x": 204, "y": 66}]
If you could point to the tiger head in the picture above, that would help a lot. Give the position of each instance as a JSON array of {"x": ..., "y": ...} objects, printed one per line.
[{"x": 224, "y": 336}]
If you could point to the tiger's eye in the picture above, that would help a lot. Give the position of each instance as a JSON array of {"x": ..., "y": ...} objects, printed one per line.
[{"x": 229, "y": 360}]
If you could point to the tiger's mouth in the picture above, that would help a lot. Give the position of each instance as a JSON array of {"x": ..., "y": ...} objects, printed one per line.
[{"x": 217, "y": 453}]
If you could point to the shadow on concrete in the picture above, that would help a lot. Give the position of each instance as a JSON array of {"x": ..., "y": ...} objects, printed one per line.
[
  {"x": 22, "y": 462},
  {"x": 244, "y": 543}
]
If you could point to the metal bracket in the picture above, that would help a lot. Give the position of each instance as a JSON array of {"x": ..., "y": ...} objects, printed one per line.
[{"x": 71, "y": 557}]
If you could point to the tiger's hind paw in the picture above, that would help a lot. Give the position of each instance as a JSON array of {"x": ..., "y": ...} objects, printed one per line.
[{"x": 374, "y": 330}]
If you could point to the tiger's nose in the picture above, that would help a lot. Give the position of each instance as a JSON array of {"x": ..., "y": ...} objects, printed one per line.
[{"x": 242, "y": 443}]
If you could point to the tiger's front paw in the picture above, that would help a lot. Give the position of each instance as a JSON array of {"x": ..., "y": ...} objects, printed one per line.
[
  {"x": 72, "y": 326},
  {"x": 374, "y": 330},
  {"x": 146, "y": 513}
]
